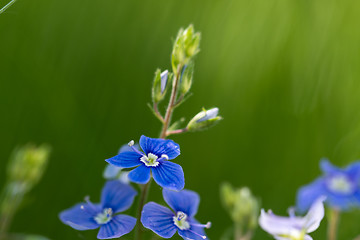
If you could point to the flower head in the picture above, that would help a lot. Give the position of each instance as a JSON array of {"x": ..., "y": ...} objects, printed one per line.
[
  {"x": 166, "y": 222},
  {"x": 204, "y": 120},
  {"x": 153, "y": 160},
  {"x": 340, "y": 186},
  {"x": 116, "y": 197},
  {"x": 293, "y": 227}
]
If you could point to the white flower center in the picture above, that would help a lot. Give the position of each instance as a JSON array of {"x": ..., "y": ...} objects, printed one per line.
[
  {"x": 150, "y": 160},
  {"x": 104, "y": 217},
  {"x": 180, "y": 221},
  {"x": 340, "y": 184}
]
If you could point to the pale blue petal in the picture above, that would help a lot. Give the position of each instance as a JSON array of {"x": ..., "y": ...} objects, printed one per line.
[
  {"x": 159, "y": 147},
  {"x": 353, "y": 171},
  {"x": 117, "y": 227},
  {"x": 127, "y": 148},
  {"x": 125, "y": 160},
  {"x": 159, "y": 219},
  {"x": 140, "y": 174},
  {"x": 117, "y": 196},
  {"x": 185, "y": 201},
  {"x": 169, "y": 175},
  {"x": 111, "y": 171},
  {"x": 81, "y": 216}
]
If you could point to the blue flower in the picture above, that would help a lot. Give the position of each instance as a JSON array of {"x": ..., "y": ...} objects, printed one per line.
[
  {"x": 340, "y": 186},
  {"x": 154, "y": 160},
  {"x": 165, "y": 222},
  {"x": 293, "y": 227},
  {"x": 116, "y": 197}
]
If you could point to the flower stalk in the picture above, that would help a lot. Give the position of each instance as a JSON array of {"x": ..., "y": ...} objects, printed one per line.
[
  {"x": 7, "y": 6},
  {"x": 334, "y": 218}
]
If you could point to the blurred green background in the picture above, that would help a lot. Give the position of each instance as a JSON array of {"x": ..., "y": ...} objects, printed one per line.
[{"x": 284, "y": 73}]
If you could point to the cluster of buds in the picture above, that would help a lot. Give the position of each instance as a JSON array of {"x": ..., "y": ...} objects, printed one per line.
[
  {"x": 242, "y": 206},
  {"x": 27, "y": 165}
]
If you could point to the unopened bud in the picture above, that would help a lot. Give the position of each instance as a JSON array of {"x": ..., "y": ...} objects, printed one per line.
[
  {"x": 186, "y": 78},
  {"x": 204, "y": 120},
  {"x": 186, "y": 46},
  {"x": 27, "y": 164},
  {"x": 159, "y": 85}
]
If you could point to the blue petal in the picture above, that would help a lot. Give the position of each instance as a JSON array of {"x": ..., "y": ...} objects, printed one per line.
[
  {"x": 117, "y": 196},
  {"x": 328, "y": 168},
  {"x": 140, "y": 174},
  {"x": 353, "y": 171},
  {"x": 159, "y": 147},
  {"x": 185, "y": 201},
  {"x": 308, "y": 194},
  {"x": 194, "y": 233},
  {"x": 125, "y": 160},
  {"x": 159, "y": 219},
  {"x": 117, "y": 227},
  {"x": 81, "y": 218},
  {"x": 169, "y": 175},
  {"x": 111, "y": 171}
]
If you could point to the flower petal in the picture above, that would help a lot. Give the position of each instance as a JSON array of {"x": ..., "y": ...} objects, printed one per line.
[
  {"x": 276, "y": 225},
  {"x": 81, "y": 216},
  {"x": 169, "y": 175},
  {"x": 185, "y": 201},
  {"x": 328, "y": 168},
  {"x": 159, "y": 219},
  {"x": 194, "y": 233},
  {"x": 140, "y": 174},
  {"x": 308, "y": 194},
  {"x": 160, "y": 146},
  {"x": 125, "y": 160},
  {"x": 111, "y": 171},
  {"x": 315, "y": 215},
  {"x": 353, "y": 171},
  {"x": 117, "y": 196},
  {"x": 117, "y": 227}
]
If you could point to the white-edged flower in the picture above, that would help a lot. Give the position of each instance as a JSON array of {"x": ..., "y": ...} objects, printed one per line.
[{"x": 293, "y": 227}]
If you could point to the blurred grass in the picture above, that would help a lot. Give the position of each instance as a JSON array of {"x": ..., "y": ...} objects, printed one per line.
[{"x": 285, "y": 74}]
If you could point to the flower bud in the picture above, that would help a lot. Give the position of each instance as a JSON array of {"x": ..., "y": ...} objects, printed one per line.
[
  {"x": 186, "y": 46},
  {"x": 242, "y": 206},
  {"x": 204, "y": 120},
  {"x": 159, "y": 85},
  {"x": 186, "y": 78},
  {"x": 27, "y": 165}
]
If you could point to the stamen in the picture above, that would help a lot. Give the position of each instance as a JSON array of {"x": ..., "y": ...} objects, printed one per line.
[
  {"x": 87, "y": 200},
  {"x": 82, "y": 207},
  {"x": 207, "y": 225},
  {"x": 202, "y": 236},
  {"x": 165, "y": 156},
  {"x": 131, "y": 143}
]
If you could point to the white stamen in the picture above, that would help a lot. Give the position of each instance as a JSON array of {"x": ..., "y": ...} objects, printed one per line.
[
  {"x": 131, "y": 143},
  {"x": 165, "y": 156}
]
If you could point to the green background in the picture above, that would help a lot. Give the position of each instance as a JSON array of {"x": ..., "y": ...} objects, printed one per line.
[{"x": 285, "y": 74}]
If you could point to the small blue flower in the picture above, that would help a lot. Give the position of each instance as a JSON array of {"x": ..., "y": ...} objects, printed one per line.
[
  {"x": 165, "y": 222},
  {"x": 340, "y": 186},
  {"x": 154, "y": 160},
  {"x": 116, "y": 197},
  {"x": 293, "y": 227}
]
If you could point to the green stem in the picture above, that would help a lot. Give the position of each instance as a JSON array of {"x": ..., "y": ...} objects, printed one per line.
[
  {"x": 166, "y": 123},
  {"x": 143, "y": 197},
  {"x": 333, "y": 224},
  {"x": 7, "y": 6}
]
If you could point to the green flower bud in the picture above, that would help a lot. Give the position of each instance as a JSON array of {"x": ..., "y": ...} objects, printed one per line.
[
  {"x": 204, "y": 120},
  {"x": 186, "y": 78},
  {"x": 160, "y": 85},
  {"x": 186, "y": 46},
  {"x": 242, "y": 206},
  {"x": 27, "y": 165}
]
